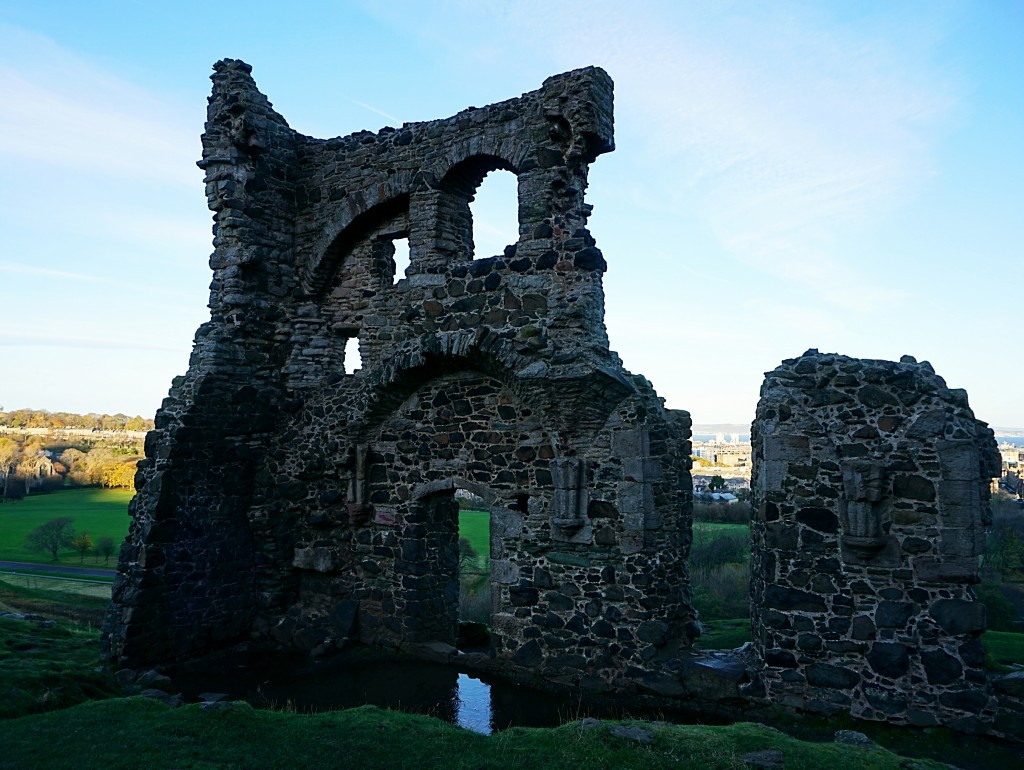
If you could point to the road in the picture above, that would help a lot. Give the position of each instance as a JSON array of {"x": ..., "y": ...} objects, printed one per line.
[{"x": 56, "y": 569}]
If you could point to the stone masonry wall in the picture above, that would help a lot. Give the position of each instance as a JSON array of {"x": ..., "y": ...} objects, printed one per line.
[
  {"x": 287, "y": 498},
  {"x": 870, "y": 494}
]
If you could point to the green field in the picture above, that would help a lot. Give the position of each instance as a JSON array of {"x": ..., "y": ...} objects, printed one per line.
[
  {"x": 100, "y": 512},
  {"x": 103, "y": 512},
  {"x": 475, "y": 526}
]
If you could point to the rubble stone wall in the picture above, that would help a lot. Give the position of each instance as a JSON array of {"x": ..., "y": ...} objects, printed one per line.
[
  {"x": 870, "y": 494},
  {"x": 288, "y": 497}
]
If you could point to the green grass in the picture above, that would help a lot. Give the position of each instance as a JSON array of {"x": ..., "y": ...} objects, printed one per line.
[
  {"x": 1004, "y": 648},
  {"x": 38, "y": 582},
  {"x": 724, "y": 634},
  {"x": 134, "y": 732},
  {"x": 100, "y": 512},
  {"x": 476, "y": 527},
  {"x": 53, "y": 664}
]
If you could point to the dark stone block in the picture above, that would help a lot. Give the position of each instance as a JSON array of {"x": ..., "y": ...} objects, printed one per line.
[
  {"x": 888, "y": 701},
  {"x": 895, "y": 614},
  {"x": 780, "y": 658},
  {"x": 959, "y": 616},
  {"x": 863, "y": 628},
  {"x": 913, "y": 488},
  {"x": 889, "y": 659},
  {"x": 809, "y": 642},
  {"x": 782, "y": 598},
  {"x": 601, "y": 509},
  {"x": 1010, "y": 684},
  {"x": 523, "y": 597},
  {"x": 529, "y": 655},
  {"x": 821, "y": 519},
  {"x": 343, "y": 617},
  {"x": 590, "y": 259},
  {"x": 875, "y": 397},
  {"x": 833, "y": 677},
  {"x": 558, "y": 603},
  {"x": 653, "y": 632},
  {"x": 603, "y": 629},
  {"x": 781, "y": 537},
  {"x": 940, "y": 667},
  {"x": 965, "y": 700}
]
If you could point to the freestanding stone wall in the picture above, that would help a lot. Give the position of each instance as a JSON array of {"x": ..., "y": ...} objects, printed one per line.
[
  {"x": 870, "y": 502},
  {"x": 287, "y": 498}
]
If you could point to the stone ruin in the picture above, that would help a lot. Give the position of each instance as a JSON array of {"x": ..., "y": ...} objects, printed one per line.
[
  {"x": 290, "y": 500},
  {"x": 870, "y": 503}
]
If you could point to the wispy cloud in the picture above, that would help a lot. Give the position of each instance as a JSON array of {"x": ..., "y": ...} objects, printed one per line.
[
  {"x": 397, "y": 121},
  {"x": 18, "y": 338},
  {"x": 786, "y": 128},
  {"x": 75, "y": 277},
  {"x": 60, "y": 110}
]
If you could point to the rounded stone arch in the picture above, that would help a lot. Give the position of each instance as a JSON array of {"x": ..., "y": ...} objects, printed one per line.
[
  {"x": 448, "y": 199},
  {"x": 355, "y": 218},
  {"x": 426, "y": 358}
]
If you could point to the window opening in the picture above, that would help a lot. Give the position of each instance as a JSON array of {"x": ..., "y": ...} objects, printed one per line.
[
  {"x": 720, "y": 552},
  {"x": 401, "y": 258},
  {"x": 495, "y": 209},
  {"x": 353, "y": 359}
]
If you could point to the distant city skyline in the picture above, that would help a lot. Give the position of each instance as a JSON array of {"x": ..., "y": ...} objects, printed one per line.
[{"x": 787, "y": 176}]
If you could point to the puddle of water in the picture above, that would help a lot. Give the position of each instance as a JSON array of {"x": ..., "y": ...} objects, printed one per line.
[
  {"x": 474, "y": 702},
  {"x": 473, "y": 709}
]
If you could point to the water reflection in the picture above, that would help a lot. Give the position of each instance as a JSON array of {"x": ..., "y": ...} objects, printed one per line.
[
  {"x": 476, "y": 703},
  {"x": 473, "y": 709}
]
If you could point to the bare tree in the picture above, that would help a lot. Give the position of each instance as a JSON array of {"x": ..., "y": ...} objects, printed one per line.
[
  {"x": 51, "y": 536},
  {"x": 106, "y": 547}
]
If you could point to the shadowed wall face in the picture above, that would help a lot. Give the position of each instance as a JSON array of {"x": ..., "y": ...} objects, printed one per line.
[{"x": 870, "y": 489}]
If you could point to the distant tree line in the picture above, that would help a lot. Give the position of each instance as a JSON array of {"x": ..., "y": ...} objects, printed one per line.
[
  {"x": 38, "y": 463},
  {"x": 33, "y": 418}
]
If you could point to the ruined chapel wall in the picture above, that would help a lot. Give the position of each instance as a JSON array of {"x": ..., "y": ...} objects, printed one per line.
[
  {"x": 326, "y": 492},
  {"x": 870, "y": 491}
]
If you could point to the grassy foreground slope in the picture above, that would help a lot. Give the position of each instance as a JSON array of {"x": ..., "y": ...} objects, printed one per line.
[{"x": 135, "y": 732}]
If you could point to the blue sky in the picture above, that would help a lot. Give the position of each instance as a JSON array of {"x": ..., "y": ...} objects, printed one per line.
[{"x": 839, "y": 175}]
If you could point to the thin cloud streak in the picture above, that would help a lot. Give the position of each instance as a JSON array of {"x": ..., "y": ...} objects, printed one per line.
[
  {"x": 38, "y": 339},
  {"x": 785, "y": 127},
  {"x": 371, "y": 108},
  {"x": 65, "y": 275},
  {"x": 62, "y": 111}
]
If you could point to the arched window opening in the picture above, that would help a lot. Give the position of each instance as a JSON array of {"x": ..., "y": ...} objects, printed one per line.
[
  {"x": 353, "y": 359},
  {"x": 495, "y": 210},
  {"x": 401, "y": 258}
]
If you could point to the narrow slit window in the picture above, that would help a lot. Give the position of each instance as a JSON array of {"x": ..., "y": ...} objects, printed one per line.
[
  {"x": 401, "y": 258},
  {"x": 353, "y": 360}
]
